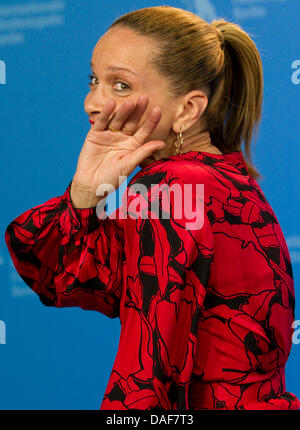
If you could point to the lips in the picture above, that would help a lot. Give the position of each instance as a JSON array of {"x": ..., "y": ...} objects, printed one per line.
[{"x": 92, "y": 122}]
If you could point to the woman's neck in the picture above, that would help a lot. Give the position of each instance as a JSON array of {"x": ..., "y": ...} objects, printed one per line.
[{"x": 199, "y": 141}]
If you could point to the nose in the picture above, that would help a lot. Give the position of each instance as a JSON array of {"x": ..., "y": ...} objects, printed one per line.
[{"x": 94, "y": 101}]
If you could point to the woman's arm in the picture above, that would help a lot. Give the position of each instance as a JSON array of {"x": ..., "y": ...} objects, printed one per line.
[
  {"x": 168, "y": 266},
  {"x": 68, "y": 256}
]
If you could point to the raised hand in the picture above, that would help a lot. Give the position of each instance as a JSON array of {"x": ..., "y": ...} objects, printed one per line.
[{"x": 107, "y": 155}]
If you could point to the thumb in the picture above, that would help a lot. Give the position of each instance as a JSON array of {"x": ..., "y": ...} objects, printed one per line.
[{"x": 143, "y": 152}]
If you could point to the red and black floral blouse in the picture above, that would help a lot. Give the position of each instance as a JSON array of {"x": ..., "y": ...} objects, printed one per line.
[{"x": 206, "y": 314}]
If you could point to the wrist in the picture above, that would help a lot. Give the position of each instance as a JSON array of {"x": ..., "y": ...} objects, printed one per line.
[{"x": 83, "y": 198}]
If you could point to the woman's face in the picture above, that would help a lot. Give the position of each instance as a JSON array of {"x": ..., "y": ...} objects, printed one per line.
[{"x": 121, "y": 48}]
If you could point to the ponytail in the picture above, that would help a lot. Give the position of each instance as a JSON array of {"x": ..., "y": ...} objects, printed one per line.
[{"x": 235, "y": 110}]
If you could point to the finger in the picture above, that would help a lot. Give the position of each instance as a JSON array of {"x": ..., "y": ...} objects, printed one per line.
[
  {"x": 134, "y": 118},
  {"x": 143, "y": 133},
  {"x": 122, "y": 113},
  {"x": 132, "y": 160},
  {"x": 102, "y": 119}
]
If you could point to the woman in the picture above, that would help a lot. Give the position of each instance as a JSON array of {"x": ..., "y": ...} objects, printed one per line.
[{"x": 206, "y": 309}]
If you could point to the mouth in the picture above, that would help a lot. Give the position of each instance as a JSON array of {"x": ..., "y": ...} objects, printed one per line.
[{"x": 92, "y": 122}]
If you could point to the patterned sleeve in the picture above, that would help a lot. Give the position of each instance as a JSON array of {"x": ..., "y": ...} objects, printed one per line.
[
  {"x": 167, "y": 277},
  {"x": 68, "y": 256}
]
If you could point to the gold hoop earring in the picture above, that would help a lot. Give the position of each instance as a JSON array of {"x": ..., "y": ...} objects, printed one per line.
[{"x": 178, "y": 142}]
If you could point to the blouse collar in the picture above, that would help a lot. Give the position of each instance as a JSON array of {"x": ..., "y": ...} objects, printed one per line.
[{"x": 235, "y": 158}]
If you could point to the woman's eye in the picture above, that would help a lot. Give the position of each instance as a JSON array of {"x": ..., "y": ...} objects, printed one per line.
[
  {"x": 122, "y": 86},
  {"x": 92, "y": 80}
]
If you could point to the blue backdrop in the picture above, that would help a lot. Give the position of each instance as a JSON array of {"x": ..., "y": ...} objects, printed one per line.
[{"x": 62, "y": 358}]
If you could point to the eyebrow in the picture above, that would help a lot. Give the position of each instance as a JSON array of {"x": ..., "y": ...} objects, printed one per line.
[{"x": 113, "y": 68}]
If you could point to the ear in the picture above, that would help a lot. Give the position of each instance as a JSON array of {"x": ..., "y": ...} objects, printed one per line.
[{"x": 190, "y": 109}]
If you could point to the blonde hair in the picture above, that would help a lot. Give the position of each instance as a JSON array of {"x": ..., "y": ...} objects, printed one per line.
[{"x": 219, "y": 58}]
